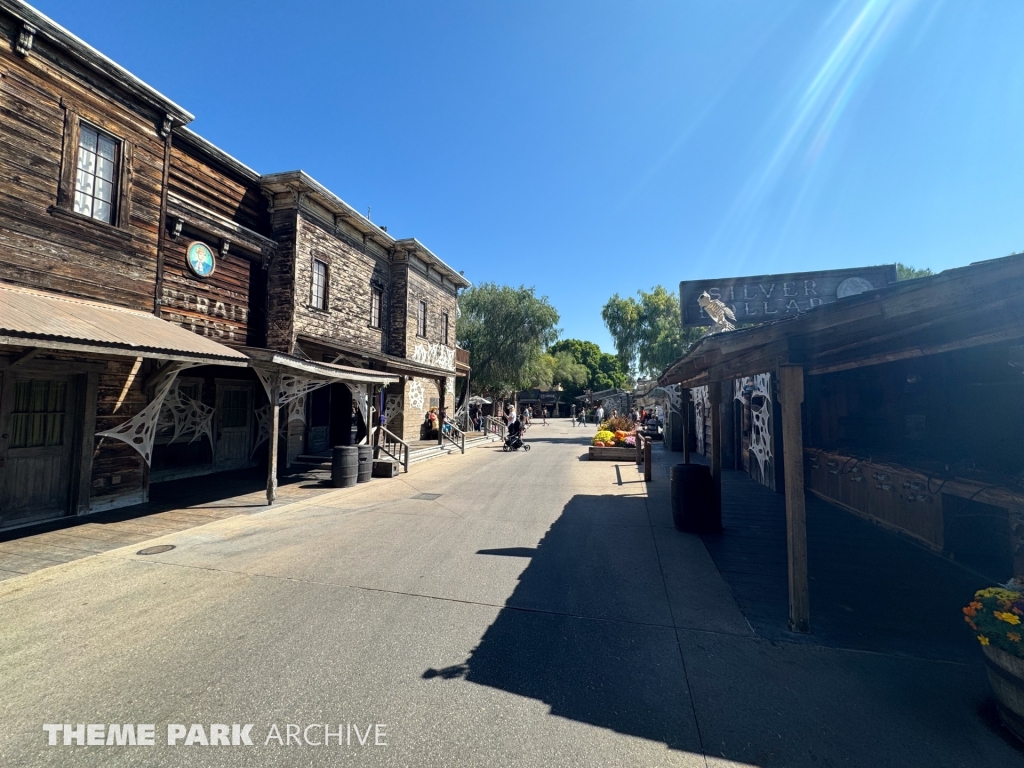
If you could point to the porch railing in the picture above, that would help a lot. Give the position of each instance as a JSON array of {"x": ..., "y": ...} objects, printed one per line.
[
  {"x": 453, "y": 435},
  {"x": 393, "y": 446},
  {"x": 494, "y": 426}
]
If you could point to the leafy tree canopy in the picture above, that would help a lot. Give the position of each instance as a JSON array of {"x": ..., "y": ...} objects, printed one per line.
[
  {"x": 647, "y": 331},
  {"x": 903, "y": 272},
  {"x": 559, "y": 368},
  {"x": 604, "y": 371},
  {"x": 506, "y": 331}
]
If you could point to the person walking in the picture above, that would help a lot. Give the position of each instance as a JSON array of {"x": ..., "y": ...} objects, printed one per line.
[
  {"x": 543, "y": 415},
  {"x": 572, "y": 414},
  {"x": 599, "y": 414}
]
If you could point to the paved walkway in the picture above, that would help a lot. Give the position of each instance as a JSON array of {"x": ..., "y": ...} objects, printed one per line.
[{"x": 493, "y": 609}]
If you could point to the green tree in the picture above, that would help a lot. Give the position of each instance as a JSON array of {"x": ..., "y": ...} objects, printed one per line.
[
  {"x": 647, "y": 331},
  {"x": 506, "y": 331},
  {"x": 559, "y": 368},
  {"x": 604, "y": 371},
  {"x": 903, "y": 272}
]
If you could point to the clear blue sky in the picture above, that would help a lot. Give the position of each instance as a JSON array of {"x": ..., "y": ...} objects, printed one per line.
[{"x": 592, "y": 147}]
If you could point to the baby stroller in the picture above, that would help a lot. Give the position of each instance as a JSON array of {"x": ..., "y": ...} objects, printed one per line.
[{"x": 514, "y": 439}]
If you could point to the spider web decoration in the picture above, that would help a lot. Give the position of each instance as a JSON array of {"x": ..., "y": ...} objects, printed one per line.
[
  {"x": 290, "y": 387},
  {"x": 297, "y": 410},
  {"x": 756, "y": 392},
  {"x": 702, "y": 407},
  {"x": 173, "y": 413},
  {"x": 140, "y": 430},
  {"x": 262, "y": 427},
  {"x": 415, "y": 390},
  {"x": 362, "y": 398},
  {"x": 392, "y": 408}
]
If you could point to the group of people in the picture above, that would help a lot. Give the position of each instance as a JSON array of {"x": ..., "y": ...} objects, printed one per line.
[{"x": 579, "y": 415}]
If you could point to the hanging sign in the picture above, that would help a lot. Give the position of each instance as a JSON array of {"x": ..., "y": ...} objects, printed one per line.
[
  {"x": 200, "y": 259},
  {"x": 763, "y": 298}
]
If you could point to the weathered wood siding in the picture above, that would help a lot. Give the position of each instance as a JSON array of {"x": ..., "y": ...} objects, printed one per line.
[
  {"x": 229, "y": 306},
  {"x": 281, "y": 283},
  {"x": 42, "y": 99}
]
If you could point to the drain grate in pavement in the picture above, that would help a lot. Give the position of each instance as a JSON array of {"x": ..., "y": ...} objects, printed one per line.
[
  {"x": 427, "y": 496},
  {"x": 158, "y": 549}
]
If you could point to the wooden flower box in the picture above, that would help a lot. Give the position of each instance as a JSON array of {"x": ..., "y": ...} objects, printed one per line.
[{"x": 616, "y": 453}]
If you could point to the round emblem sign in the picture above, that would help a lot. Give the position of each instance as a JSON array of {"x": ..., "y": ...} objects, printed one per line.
[{"x": 200, "y": 259}]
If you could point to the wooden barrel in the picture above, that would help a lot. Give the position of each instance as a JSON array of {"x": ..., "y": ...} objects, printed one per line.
[
  {"x": 1006, "y": 676},
  {"x": 365, "y": 465},
  {"x": 345, "y": 466},
  {"x": 693, "y": 499}
]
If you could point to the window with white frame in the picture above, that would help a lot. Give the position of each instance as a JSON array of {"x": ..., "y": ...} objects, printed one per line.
[
  {"x": 421, "y": 320},
  {"x": 318, "y": 296},
  {"x": 96, "y": 174},
  {"x": 444, "y": 328},
  {"x": 376, "y": 294}
]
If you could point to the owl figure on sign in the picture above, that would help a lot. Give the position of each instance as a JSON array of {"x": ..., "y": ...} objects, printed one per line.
[{"x": 718, "y": 312}]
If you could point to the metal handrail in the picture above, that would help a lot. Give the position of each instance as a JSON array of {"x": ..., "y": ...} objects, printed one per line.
[
  {"x": 393, "y": 446},
  {"x": 459, "y": 438},
  {"x": 495, "y": 426}
]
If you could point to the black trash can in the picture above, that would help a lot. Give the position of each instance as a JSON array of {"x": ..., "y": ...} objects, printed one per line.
[
  {"x": 345, "y": 466},
  {"x": 693, "y": 499},
  {"x": 365, "y": 470}
]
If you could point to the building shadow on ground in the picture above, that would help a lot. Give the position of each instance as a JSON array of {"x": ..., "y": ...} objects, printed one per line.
[{"x": 588, "y": 630}]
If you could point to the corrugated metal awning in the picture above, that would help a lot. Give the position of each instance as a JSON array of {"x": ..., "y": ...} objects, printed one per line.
[
  {"x": 283, "y": 363},
  {"x": 32, "y": 318}
]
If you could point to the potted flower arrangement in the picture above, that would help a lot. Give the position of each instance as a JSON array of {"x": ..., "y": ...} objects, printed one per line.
[
  {"x": 995, "y": 615},
  {"x": 615, "y": 441}
]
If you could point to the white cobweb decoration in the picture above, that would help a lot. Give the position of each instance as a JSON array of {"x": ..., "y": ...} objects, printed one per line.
[
  {"x": 140, "y": 430},
  {"x": 757, "y": 392},
  {"x": 263, "y": 421},
  {"x": 360, "y": 393},
  {"x": 198, "y": 419},
  {"x": 297, "y": 410},
  {"x": 392, "y": 408},
  {"x": 702, "y": 407},
  {"x": 290, "y": 387},
  {"x": 415, "y": 392}
]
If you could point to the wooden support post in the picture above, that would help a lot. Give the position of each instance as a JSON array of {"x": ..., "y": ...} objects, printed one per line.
[
  {"x": 275, "y": 427},
  {"x": 791, "y": 395},
  {"x": 715, "y": 413},
  {"x": 685, "y": 409},
  {"x": 442, "y": 387},
  {"x": 1016, "y": 516},
  {"x": 648, "y": 472}
]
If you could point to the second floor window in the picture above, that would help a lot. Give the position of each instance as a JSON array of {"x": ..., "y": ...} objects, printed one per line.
[
  {"x": 96, "y": 174},
  {"x": 375, "y": 297},
  {"x": 421, "y": 320},
  {"x": 444, "y": 328},
  {"x": 319, "y": 293}
]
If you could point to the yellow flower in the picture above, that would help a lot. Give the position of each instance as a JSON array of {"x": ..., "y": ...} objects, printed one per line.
[
  {"x": 998, "y": 593},
  {"x": 1009, "y": 618},
  {"x": 1013, "y": 636},
  {"x": 982, "y": 639}
]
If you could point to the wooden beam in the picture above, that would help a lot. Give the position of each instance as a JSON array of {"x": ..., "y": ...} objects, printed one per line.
[
  {"x": 24, "y": 357},
  {"x": 275, "y": 426},
  {"x": 715, "y": 414},
  {"x": 686, "y": 405},
  {"x": 791, "y": 395}
]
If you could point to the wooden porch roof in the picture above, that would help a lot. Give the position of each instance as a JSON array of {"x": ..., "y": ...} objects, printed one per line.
[{"x": 964, "y": 307}]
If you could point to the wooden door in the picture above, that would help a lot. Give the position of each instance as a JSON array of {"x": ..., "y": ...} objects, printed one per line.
[
  {"x": 37, "y": 437},
  {"x": 234, "y": 419}
]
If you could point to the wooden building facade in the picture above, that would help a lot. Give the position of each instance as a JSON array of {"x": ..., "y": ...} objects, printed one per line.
[
  {"x": 161, "y": 304},
  {"x": 901, "y": 405}
]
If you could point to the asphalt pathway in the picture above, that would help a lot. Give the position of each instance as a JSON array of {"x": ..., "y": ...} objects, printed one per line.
[{"x": 492, "y": 609}]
